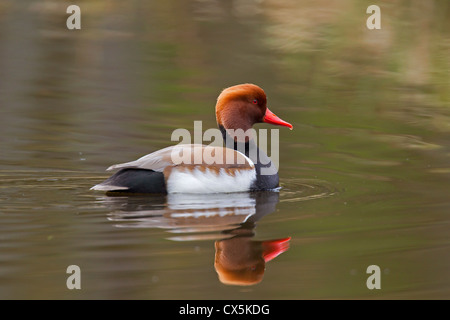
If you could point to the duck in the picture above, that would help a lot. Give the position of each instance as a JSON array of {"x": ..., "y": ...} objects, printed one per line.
[{"x": 239, "y": 166}]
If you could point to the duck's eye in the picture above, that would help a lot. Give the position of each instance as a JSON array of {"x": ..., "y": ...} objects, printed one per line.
[{"x": 255, "y": 101}]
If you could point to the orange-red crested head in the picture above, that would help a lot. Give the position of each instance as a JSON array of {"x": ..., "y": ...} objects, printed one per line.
[{"x": 243, "y": 105}]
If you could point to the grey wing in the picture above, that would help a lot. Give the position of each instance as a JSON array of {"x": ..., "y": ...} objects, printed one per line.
[
  {"x": 158, "y": 160},
  {"x": 187, "y": 154}
]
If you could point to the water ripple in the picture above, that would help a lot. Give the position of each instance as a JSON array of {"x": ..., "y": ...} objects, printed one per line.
[{"x": 296, "y": 190}]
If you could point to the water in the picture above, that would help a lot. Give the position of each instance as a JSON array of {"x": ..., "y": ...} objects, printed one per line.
[{"x": 364, "y": 173}]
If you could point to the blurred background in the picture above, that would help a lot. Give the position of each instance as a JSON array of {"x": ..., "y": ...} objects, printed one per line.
[{"x": 365, "y": 172}]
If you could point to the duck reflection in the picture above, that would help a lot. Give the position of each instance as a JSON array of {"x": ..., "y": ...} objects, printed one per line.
[
  {"x": 229, "y": 219},
  {"x": 241, "y": 260}
]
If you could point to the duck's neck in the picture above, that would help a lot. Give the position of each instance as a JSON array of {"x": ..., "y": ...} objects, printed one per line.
[
  {"x": 242, "y": 147},
  {"x": 266, "y": 171}
]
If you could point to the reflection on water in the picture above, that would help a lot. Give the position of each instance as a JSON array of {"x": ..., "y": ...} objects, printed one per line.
[
  {"x": 230, "y": 219},
  {"x": 242, "y": 261}
]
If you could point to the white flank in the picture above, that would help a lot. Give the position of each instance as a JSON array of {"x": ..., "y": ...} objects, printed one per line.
[
  {"x": 246, "y": 158},
  {"x": 197, "y": 181}
]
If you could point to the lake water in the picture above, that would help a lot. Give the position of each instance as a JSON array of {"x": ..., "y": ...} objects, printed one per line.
[{"x": 365, "y": 173}]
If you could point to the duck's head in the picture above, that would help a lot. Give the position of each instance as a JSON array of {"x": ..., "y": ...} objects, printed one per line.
[{"x": 243, "y": 105}]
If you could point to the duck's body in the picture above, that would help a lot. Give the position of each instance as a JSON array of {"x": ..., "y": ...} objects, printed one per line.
[
  {"x": 177, "y": 169},
  {"x": 159, "y": 173}
]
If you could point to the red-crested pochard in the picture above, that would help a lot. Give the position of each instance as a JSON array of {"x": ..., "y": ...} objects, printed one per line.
[{"x": 237, "y": 107}]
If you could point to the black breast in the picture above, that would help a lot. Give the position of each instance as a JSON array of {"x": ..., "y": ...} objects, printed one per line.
[{"x": 266, "y": 172}]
